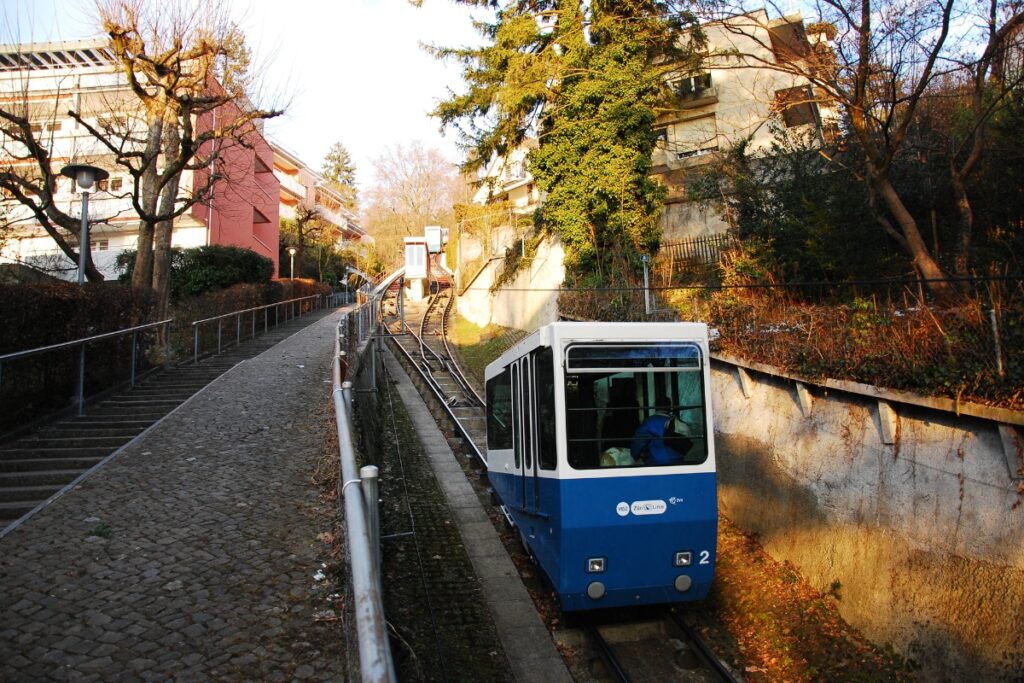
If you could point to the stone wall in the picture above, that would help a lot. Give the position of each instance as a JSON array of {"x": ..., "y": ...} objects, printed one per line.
[{"x": 921, "y": 539}]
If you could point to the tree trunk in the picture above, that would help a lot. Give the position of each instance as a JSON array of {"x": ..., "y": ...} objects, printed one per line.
[
  {"x": 916, "y": 248},
  {"x": 165, "y": 228},
  {"x": 142, "y": 276},
  {"x": 963, "y": 242}
]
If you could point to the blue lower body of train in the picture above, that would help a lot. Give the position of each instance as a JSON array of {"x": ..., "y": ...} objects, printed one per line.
[{"x": 618, "y": 541}]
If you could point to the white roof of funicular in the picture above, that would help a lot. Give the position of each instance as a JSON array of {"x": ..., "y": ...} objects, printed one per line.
[{"x": 47, "y": 56}]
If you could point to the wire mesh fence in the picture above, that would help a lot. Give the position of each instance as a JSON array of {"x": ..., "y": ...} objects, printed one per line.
[{"x": 884, "y": 333}]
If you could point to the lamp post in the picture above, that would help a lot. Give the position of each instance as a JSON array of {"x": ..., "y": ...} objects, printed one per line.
[
  {"x": 291, "y": 273},
  {"x": 86, "y": 176}
]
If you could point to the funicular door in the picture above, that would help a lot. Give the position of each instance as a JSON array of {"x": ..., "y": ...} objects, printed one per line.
[{"x": 524, "y": 434}]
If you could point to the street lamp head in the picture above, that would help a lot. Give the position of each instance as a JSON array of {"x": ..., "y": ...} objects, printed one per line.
[
  {"x": 292, "y": 250},
  {"x": 84, "y": 174}
]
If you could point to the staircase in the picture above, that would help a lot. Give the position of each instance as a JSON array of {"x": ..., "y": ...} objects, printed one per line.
[{"x": 34, "y": 467}]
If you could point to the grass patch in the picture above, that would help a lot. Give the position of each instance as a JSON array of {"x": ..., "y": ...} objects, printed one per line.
[{"x": 478, "y": 346}]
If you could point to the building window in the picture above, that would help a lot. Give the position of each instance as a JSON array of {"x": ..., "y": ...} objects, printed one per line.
[
  {"x": 35, "y": 127},
  {"x": 115, "y": 184},
  {"x": 99, "y": 245},
  {"x": 259, "y": 217},
  {"x": 261, "y": 166},
  {"x": 693, "y": 86},
  {"x": 53, "y": 126},
  {"x": 797, "y": 106},
  {"x": 694, "y": 137}
]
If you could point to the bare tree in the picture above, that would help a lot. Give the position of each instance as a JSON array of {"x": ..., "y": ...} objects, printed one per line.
[
  {"x": 414, "y": 186},
  {"x": 186, "y": 70},
  {"x": 182, "y": 64},
  {"x": 877, "y": 60}
]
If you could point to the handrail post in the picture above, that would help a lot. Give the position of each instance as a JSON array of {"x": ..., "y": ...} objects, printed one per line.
[
  {"x": 220, "y": 327},
  {"x": 81, "y": 381},
  {"x": 266, "y": 318},
  {"x": 167, "y": 344},
  {"x": 238, "y": 329},
  {"x": 254, "y": 324},
  {"x": 195, "y": 342},
  {"x": 371, "y": 488},
  {"x": 132, "y": 380}
]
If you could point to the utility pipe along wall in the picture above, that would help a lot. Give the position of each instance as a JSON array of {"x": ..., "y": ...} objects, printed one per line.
[{"x": 921, "y": 536}]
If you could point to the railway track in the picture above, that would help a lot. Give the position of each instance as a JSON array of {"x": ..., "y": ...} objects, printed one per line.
[
  {"x": 665, "y": 648},
  {"x": 662, "y": 649}
]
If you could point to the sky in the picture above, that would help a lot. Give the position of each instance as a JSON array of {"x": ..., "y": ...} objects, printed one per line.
[{"x": 349, "y": 71}]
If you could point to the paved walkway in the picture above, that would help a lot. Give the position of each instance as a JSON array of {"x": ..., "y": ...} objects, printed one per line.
[{"x": 192, "y": 554}]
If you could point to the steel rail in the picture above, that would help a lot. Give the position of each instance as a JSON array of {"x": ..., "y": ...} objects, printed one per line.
[
  {"x": 238, "y": 327},
  {"x": 456, "y": 371},
  {"x": 607, "y": 653},
  {"x": 441, "y": 397},
  {"x": 703, "y": 651}
]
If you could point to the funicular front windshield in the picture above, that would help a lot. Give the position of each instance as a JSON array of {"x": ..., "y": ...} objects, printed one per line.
[{"x": 636, "y": 405}]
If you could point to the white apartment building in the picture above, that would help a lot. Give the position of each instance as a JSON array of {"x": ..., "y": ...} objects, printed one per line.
[{"x": 49, "y": 80}]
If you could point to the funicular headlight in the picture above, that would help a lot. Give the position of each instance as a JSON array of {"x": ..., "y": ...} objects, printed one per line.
[
  {"x": 596, "y": 565},
  {"x": 683, "y": 558}
]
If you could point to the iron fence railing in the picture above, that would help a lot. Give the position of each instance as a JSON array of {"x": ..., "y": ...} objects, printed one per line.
[
  {"x": 704, "y": 250},
  {"x": 358, "y": 489},
  {"x": 83, "y": 343},
  {"x": 291, "y": 308}
]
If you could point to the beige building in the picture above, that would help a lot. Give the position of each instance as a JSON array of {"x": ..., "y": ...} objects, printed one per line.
[
  {"x": 301, "y": 186},
  {"x": 738, "y": 95}
]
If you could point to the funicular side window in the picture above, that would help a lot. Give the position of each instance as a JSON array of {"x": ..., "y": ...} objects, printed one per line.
[
  {"x": 635, "y": 405},
  {"x": 499, "y": 411},
  {"x": 544, "y": 378}
]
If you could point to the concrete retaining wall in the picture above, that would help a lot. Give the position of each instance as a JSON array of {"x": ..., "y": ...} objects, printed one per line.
[
  {"x": 526, "y": 303},
  {"x": 922, "y": 539}
]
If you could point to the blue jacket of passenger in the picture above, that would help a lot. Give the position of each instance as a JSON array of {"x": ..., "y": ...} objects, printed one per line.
[{"x": 649, "y": 441}]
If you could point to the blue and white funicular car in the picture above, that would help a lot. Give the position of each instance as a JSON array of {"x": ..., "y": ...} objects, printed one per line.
[{"x": 599, "y": 445}]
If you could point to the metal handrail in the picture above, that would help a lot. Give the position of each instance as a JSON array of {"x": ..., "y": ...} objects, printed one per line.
[
  {"x": 238, "y": 315},
  {"x": 80, "y": 390},
  {"x": 375, "y": 660}
]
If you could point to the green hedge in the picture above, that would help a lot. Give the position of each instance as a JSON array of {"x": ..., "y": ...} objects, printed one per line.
[
  {"x": 199, "y": 270},
  {"x": 43, "y": 315}
]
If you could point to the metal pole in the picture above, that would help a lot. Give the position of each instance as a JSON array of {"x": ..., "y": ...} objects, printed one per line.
[
  {"x": 133, "y": 360},
  {"x": 266, "y": 318},
  {"x": 81, "y": 382},
  {"x": 995, "y": 337},
  {"x": 167, "y": 344},
  {"x": 371, "y": 497},
  {"x": 647, "y": 290},
  {"x": 238, "y": 329},
  {"x": 195, "y": 343},
  {"x": 219, "y": 328},
  {"x": 83, "y": 242},
  {"x": 254, "y": 324}
]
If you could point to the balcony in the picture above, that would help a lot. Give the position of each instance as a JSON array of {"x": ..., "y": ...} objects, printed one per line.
[{"x": 291, "y": 184}]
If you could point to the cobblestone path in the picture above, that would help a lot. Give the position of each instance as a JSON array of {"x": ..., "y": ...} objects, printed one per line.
[{"x": 194, "y": 554}]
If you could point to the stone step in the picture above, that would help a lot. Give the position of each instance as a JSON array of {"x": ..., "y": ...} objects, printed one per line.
[
  {"x": 122, "y": 413},
  {"x": 68, "y": 430},
  {"x": 14, "y": 494},
  {"x": 38, "y": 477},
  {"x": 14, "y": 454},
  {"x": 68, "y": 441},
  {"x": 46, "y": 463},
  {"x": 10, "y": 511}
]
